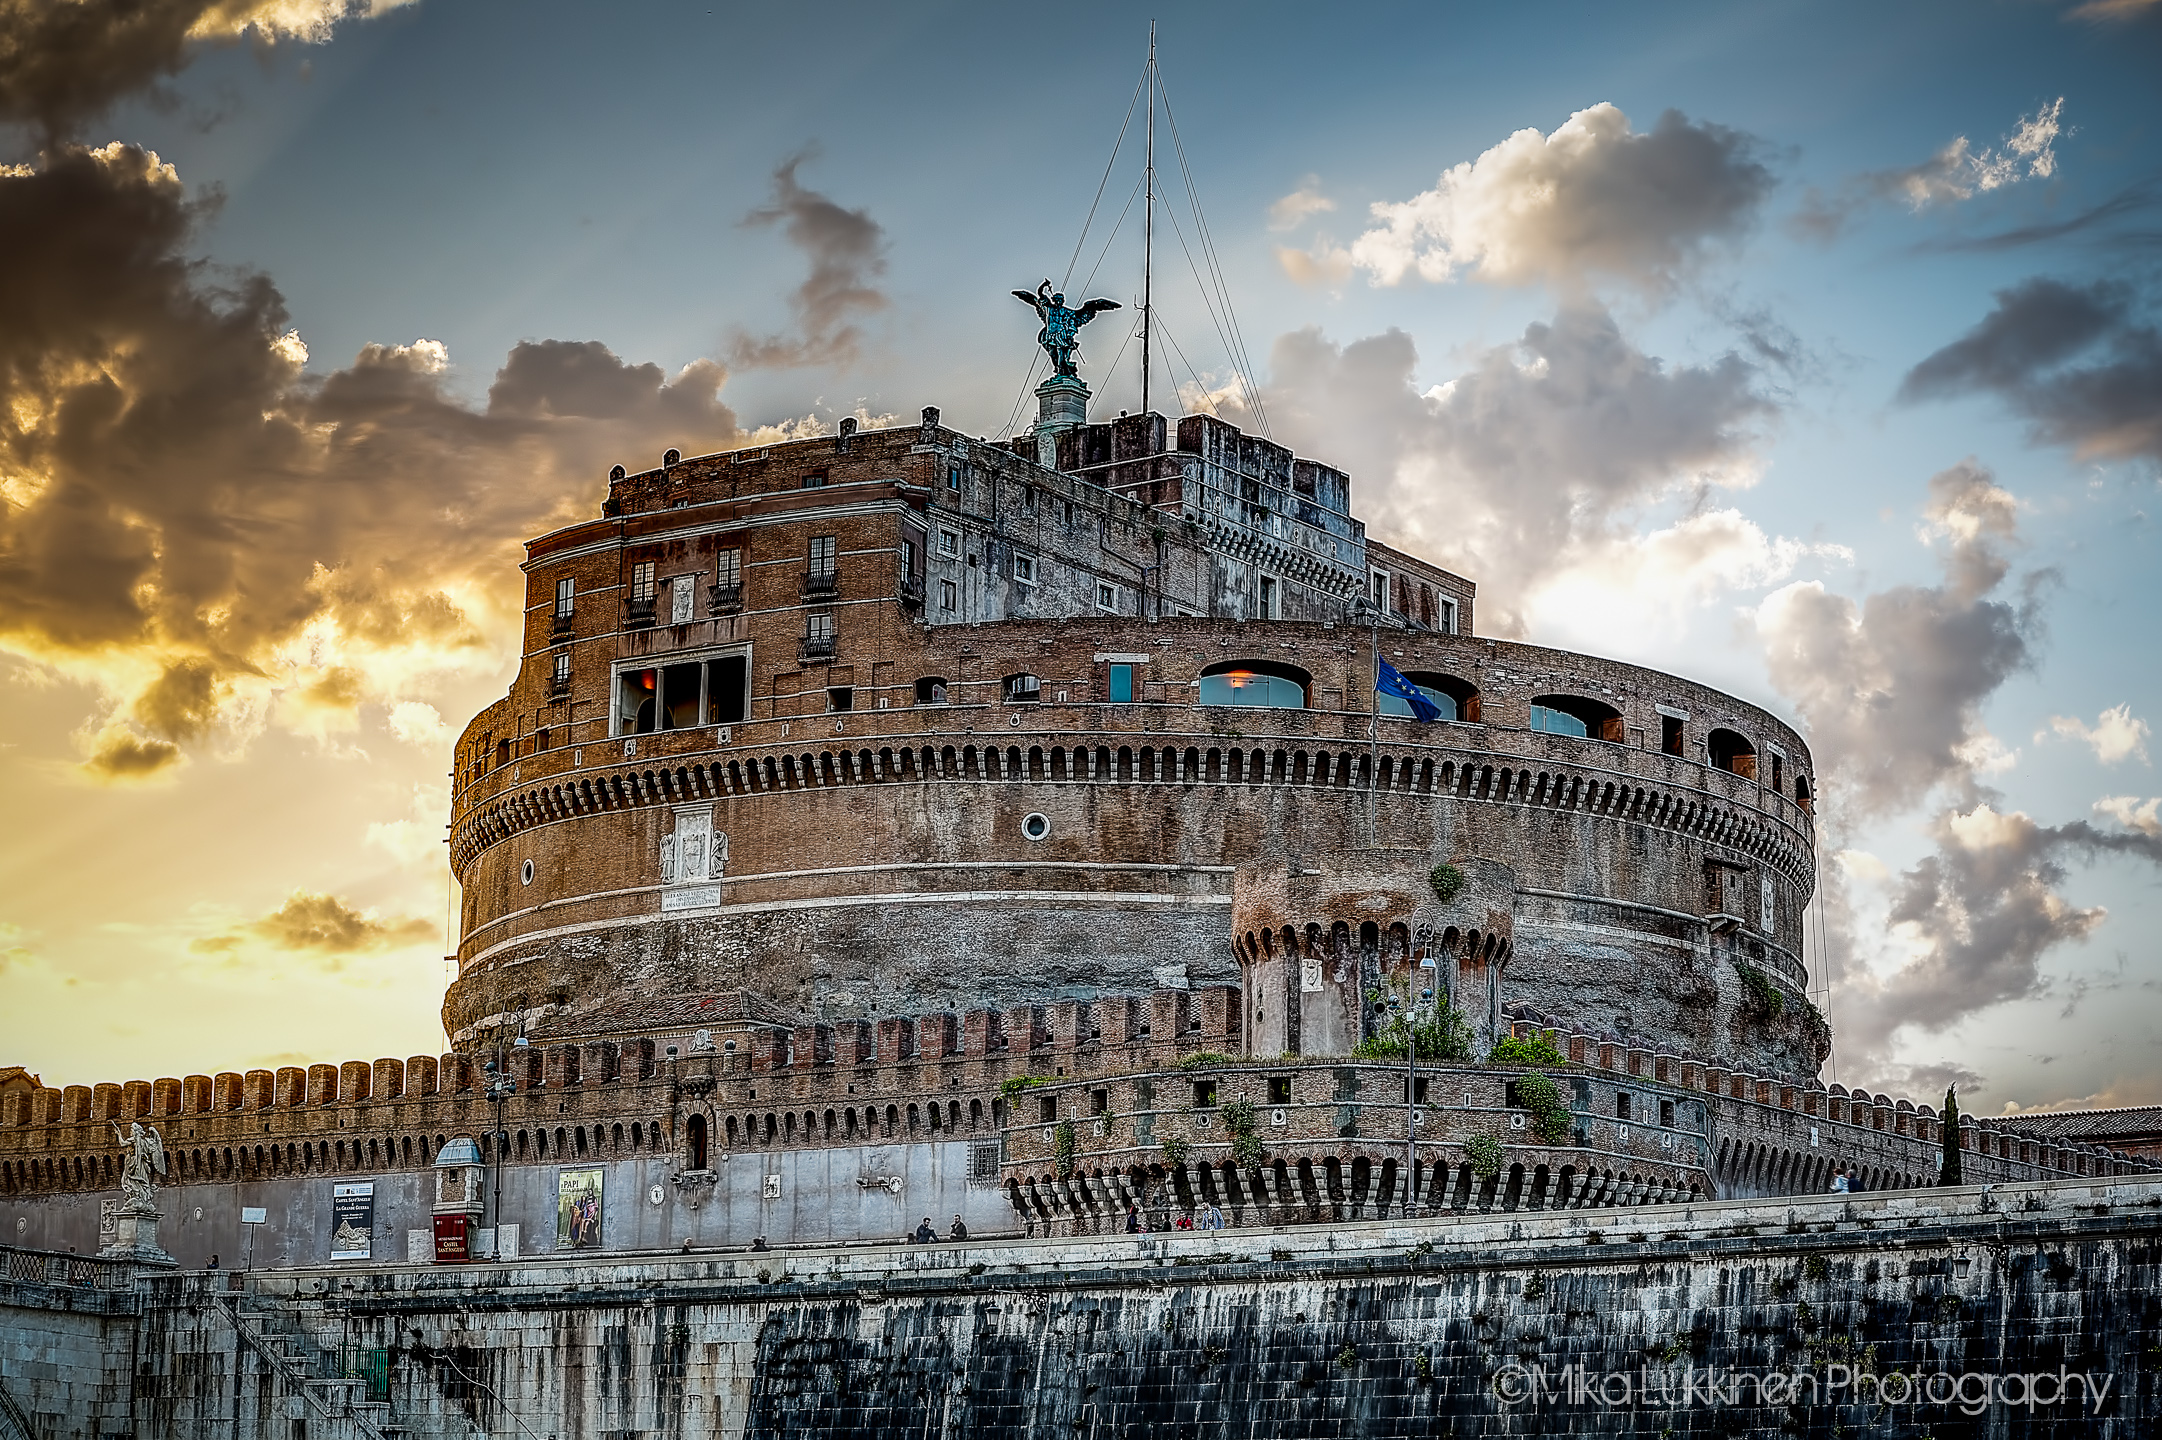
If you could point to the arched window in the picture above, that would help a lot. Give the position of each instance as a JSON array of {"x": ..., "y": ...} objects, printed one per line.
[
  {"x": 1730, "y": 750},
  {"x": 931, "y": 690},
  {"x": 696, "y": 1130},
  {"x": 1456, "y": 699},
  {"x": 1263, "y": 684},
  {"x": 1802, "y": 796},
  {"x": 1576, "y": 715},
  {"x": 1022, "y": 689}
]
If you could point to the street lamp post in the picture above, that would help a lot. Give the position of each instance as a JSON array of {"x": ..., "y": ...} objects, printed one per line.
[{"x": 501, "y": 1086}]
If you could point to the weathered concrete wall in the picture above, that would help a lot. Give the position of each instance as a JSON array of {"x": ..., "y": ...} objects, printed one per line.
[
  {"x": 67, "y": 1345},
  {"x": 1377, "y": 1329},
  {"x": 818, "y": 1198}
]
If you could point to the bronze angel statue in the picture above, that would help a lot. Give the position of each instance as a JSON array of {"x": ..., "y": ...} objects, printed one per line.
[
  {"x": 144, "y": 1161},
  {"x": 1060, "y": 323}
]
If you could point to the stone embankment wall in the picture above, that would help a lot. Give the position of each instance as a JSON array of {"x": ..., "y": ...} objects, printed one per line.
[{"x": 1825, "y": 1316}]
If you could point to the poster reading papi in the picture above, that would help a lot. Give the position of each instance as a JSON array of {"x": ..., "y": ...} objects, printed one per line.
[
  {"x": 578, "y": 1209},
  {"x": 352, "y": 1220}
]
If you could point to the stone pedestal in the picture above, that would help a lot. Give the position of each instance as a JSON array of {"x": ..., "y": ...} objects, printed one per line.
[
  {"x": 135, "y": 1238},
  {"x": 1062, "y": 404}
]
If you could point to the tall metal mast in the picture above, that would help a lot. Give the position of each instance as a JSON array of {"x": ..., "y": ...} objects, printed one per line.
[{"x": 1148, "y": 223}]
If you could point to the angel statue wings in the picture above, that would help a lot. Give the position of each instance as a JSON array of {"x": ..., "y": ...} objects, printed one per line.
[
  {"x": 145, "y": 1161},
  {"x": 1060, "y": 323}
]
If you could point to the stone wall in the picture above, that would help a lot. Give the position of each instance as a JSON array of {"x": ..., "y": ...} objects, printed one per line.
[{"x": 1809, "y": 1317}]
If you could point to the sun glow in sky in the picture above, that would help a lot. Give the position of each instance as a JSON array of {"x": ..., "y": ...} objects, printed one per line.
[{"x": 1811, "y": 351}]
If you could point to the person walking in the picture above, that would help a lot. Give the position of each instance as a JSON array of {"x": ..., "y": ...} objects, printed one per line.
[
  {"x": 1133, "y": 1219},
  {"x": 1212, "y": 1218},
  {"x": 1840, "y": 1185}
]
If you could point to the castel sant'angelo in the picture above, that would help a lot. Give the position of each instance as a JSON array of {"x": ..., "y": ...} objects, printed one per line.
[
  {"x": 900, "y": 823},
  {"x": 1095, "y": 837}
]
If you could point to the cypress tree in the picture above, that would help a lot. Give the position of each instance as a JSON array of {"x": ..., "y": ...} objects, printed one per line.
[{"x": 1948, "y": 1172}]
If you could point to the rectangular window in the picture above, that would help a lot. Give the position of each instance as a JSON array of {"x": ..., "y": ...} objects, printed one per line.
[
  {"x": 815, "y": 480},
  {"x": 953, "y": 478},
  {"x": 1122, "y": 684},
  {"x": 1670, "y": 735},
  {"x": 728, "y": 690},
  {"x": 822, "y": 555},
  {"x": 1268, "y": 598},
  {"x": 563, "y": 668},
  {"x": 818, "y": 627},
  {"x": 949, "y": 596},
  {"x": 1099, "y": 1102},
  {"x": 1028, "y": 498},
  {"x": 1107, "y": 596},
  {"x": 683, "y": 600},
  {"x": 1024, "y": 569},
  {"x": 1279, "y": 1089},
  {"x": 1779, "y": 781},
  {"x": 1378, "y": 592},
  {"x": 1047, "y": 1108},
  {"x": 565, "y": 590},
  {"x": 1621, "y": 1106},
  {"x": 728, "y": 568},
  {"x": 1448, "y": 617},
  {"x": 1666, "y": 1114},
  {"x": 840, "y": 699},
  {"x": 642, "y": 580},
  {"x": 908, "y": 558},
  {"x": 949, "y": 545},
  {"x": 1069, "y": 512},
  {"x": 707, "y": 690},
  {"x": 1204, "y": 1094}
]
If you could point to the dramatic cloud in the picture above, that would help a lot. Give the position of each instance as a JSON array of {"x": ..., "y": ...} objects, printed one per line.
[
  {"x": 65, "y": 62},
  {"x": 1533, "y": 464},
  {"x": 1957, "y": 172},
  {"x": 2072, "y": 359},
  {"x": 1892, "y": 688},
  {"x": 1891, "y": 691},
  {"x": 1300, "y": 205},
  {"x": 2133, "y": 813},
  {"x": 846, "y": 249},
  {"x": 322, "y": 924},
  {"x": 1594, "y": 198},
  {"x": 197, "y": 526},
  {"x": 2117, "y": 734}
]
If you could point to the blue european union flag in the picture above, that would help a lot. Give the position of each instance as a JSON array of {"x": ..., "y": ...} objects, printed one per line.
[{"x": 1392, "y": 682}]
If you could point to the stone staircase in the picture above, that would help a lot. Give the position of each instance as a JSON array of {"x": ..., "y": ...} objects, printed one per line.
[
  {"x": 337, "y": 1407},
  {"x": 15, "y": 1422}
]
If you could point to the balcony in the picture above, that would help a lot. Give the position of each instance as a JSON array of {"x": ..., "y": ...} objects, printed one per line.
[
  {"x": 912, "y": 591},
  {"x": 559, "y": 687},
  {"x": 724, "y": 599},
  {"x": 822, "y": 585},
  {"x": 560, "y": 628},
  {"x": 638, "y": 614},
  {"x": 817, "y": 648}
]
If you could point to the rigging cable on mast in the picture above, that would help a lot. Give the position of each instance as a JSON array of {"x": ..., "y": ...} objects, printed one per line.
[{"x": 1236, "y": 341}]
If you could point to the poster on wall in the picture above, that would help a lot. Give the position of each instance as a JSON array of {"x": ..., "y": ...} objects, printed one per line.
[
  {"x": 578, "y": 1209},
  {"x": 352, "y": 1220}
]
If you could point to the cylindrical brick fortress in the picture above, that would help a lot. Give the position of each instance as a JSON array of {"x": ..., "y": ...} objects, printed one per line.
[{"x": 901, "y": 723}]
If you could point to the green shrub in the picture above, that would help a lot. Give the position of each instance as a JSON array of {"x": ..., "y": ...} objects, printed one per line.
[
  {"x": 1016, "y": 1084},
  {"x": 1447, "y": 880},
  {"x": 1246, "y": 1146},
  {"x": 1483, "y": 1152},
  {"x": 1063, "y": 1145},
  {"x": 1175, "y": 1148},
  {"x": 1761, "y": 996},
  {"x": 1538, "y": 1050},
  {"x": 1203, "y": 1059},
  {"x": 1447, "y": 1036},
  {"x": 1542, "y": 1098}
]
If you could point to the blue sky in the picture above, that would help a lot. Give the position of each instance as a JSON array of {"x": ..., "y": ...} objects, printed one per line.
[{"x": 1685, "y": 436}]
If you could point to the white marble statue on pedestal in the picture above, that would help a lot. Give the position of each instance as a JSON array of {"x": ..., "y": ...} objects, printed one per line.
[{"x": 135, "y": 1227}]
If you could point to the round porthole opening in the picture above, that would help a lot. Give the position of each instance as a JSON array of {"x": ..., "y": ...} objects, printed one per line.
[
  {"x": 525, "y": 873},
  {"x": 1036, "y": 826}
]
